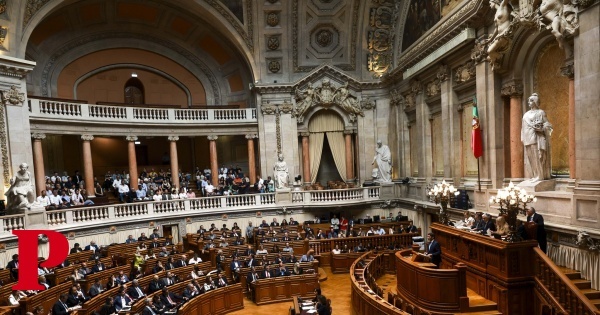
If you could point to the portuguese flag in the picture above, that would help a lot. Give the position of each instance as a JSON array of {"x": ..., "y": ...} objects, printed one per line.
[{"x": 476, "y": 144}]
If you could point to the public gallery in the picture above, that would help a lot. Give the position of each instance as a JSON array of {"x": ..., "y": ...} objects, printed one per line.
[{"x": 410, "y": 157}]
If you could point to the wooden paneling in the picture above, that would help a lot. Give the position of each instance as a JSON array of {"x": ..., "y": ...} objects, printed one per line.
[{"x": 284, "y": 288}]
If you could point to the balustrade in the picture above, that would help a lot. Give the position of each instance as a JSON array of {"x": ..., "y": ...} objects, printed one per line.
[
  {"x": 138, "y": 210},
  {"x": 108, "y": 112}
]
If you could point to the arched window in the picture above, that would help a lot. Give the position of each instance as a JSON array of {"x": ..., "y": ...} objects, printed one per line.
[{"x": 134, "y": 91}]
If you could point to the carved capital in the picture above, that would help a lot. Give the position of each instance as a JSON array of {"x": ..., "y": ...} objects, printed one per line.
[
  {"x": 442, "y": 73},
  {"x": 131, "y": 138},
  {"x": 348, "y": 132},
  {"x": 212, "y": 138},
  {"x": 433, "y": 88},
  {"x": 250, "y": 136},
  {"x": 416, "y": 87},
  {"x": 368, "y": 104},
  {"x": 396, "y": 97},
  {"x": 305, "y": 134},
  {"x": 87, "y": 137},
  {"x": 268, "y": 109},
  {"x": 38, "y": 136},
  {"x": 13, "y": 96},
  {"x": 173, "y": 138},
  {"x": 512, "y": 89},
  {"x": 286, "y": 107},
  {"x": 568, "y": 70}
]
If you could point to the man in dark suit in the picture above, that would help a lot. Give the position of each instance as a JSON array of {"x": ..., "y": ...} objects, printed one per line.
[
  {"x": 142, "y": 237},
  {"x": 410, "y": 228},
  {"x": 76, "y": 249},
  {"x": 434, "y": 250},
  {"x": 154, "y": 244},
  {"x": 122, "y": 300},
  {"x": 92, "y": 246},
  {"x": 267, "y": 273},
  {"x": 154, "y": 234},
  {"x": 155, "y": 284},
  {"x": 252, "y": 276},
  {"x": 293, "y": 222},
  {"x": 538, "y": 219},
  {"x": 274, "y": 223},
  {"x": 96, "y": 288},
  {"x": 488, "y": 224},
  {"x": 251, "y": 261},
  {"x": 170, "y": 299},
  {"x": 149, "y": 308},
  {"x": 98, "y": 267},
  {"x": 135, "y": 291},
  {"x": 249, "y": 251},
  {"x": 221, "y": 281},
  {"x": 13, "y": 266},
  {"x": 60, "y": 307},
  {"x": 282, "y": 271},
  {"x": 190, "y": 291},
  {"x": 235, "y": 268}
]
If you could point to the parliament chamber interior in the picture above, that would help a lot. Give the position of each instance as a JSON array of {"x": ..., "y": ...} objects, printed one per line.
[{"x": 300, "y": 157}]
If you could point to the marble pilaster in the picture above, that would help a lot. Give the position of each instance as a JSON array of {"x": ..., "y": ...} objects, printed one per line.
[
  {"x": 251, "y": 158},
  {"x": 214, "y": 163},
  {"x": 174, "y": 161},
  {"x": 132, "y": 161},
  {"x": 88, "y": 165},
  {"x": 514, "y": 90},
  {"x": 38, "y": 162},
  {"x": 305, "y": 158},
  {"x": 349, "y": 158}
]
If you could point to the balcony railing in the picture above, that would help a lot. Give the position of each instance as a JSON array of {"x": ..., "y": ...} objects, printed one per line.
[
  {"x": 109, "y": 214},
  {"x": 105, "y": 113}
]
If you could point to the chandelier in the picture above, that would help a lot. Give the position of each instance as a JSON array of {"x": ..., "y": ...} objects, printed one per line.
[
  {"x": 512, "y": 201},
  {"x": 442, "y": 194}
]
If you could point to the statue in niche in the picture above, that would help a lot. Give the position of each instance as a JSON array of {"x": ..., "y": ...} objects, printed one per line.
[
  {"x": 304, "y": 100},
  {"x": 346, "y": 101},
  {"x": 21, "y": 194},
  {"x": 383, "y": 157},
  {"x": 561, "y": 17},
  {"x": 281, "y": 173},
  {"x": 499, "y": 42},
  {"x": 535, "y": 135}
]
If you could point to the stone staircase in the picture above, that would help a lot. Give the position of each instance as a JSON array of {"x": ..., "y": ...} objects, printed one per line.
[{"x": 585, "y": 286}]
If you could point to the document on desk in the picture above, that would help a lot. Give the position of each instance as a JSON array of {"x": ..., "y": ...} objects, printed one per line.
[{"x": 311, "y": 311}]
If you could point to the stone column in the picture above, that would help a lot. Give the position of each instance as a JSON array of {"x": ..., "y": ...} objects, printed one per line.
[
  {"x": 251, "y": 158},
  {"x": 133, "y": 171},
  {"x": 514, "y": 90},
  {"x": 569, "y": 72},
  {"x": 38, "y": 162},
  {"x": 305, "y": 158},
  {"x": 214, "y": 163},
  {"x": 349, "y": 157},
  {"x": 174, "y": 163},
  {"x": 88, "y": 166}
]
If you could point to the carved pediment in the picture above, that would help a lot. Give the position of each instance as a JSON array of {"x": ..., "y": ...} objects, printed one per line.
[{"x": 325, "y": 94}]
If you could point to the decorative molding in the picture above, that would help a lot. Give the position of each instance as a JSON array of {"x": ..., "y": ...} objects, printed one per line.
[
  {"x": 568, "y": 70},
  {"x": 326, "y": 95},
  {"x": 251, "y": 136},
  {"x": 13, "y": 96},
  {"x": 272, "y": 18},
  {"x": 2, "y": 7},
  {"x": 212, "y": 138},
  {"x": 273, "y": 42},
  {"x": 4, "y": 148},
  {"x": 268, "y": 109},
  {"x": 38, "y": 136},
  {"x": 465, "y": 72},
  {"x": 80, "y": 41},
  {"x": 286, "y": 107},
  {"x": 173, "y": 138},
  {"x": 512, "y": 89},
  {"x": 433, "y": 88},
  {"x": 273, "y": 65},
  {"x": 87, "y": 137},
  {"x": 31, "y": 9},
  {"x": 380, "y": 37},
  {"x": 3, "y": 33},
  {"x": 278, "y": 130},
  {"x": 349, "y": 131},
  {"x": 396, "y": 97},
  {"x": 305, "y": 134},
  {"x": 248, "y": 34},
  {"x": 368, "y": 104},
  {"x": 585, "y": 241},
  {"x": 131, "y": 138},
  {"x": 442, "y": 73}
]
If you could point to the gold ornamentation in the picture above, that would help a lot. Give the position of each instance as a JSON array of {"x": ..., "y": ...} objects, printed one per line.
[
  {"x": 380, "y": 39},
  {"x": 2, "y": 6},
  {"x": 13, "y": 96},
  {"x": 3, "y": 33}
]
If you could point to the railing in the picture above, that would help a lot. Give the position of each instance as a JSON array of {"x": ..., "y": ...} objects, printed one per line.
[
  {"x": 140, "y": 210},
  {"x": 89, "y": 112},
  {"x": 335, "y": 195},
  {"x": 560, "y": 287}
]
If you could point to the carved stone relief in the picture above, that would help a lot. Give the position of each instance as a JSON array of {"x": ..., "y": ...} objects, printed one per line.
[
  {"x": 433, "y": 88},
  {"x": 272, "y": 18},
  {"x": 326, "y": 95},
  {"x": 273, "y": 42},
  {"x": 286, "y": 107},
  {"x": 324, "y": 38},
  {"x": 512, "y": 88},
  {"x": 13, "y": 96},
  {"x": 410, "y": 98},
  {"x": 274, "y": 65},
  {"x": 465, "y": 72},
  {"x": 268, "y": 109},
  {"x": 3, "y": 33},
  {"x": 380, "y": 37}
]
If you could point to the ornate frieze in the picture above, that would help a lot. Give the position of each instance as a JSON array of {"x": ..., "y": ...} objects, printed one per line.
[
  {"x": 31, "y": 8},
  {"x": 326, "y": 95},
  {"x": 433, "y": 88},
  {"x": 13, "y": 96},
  {"x": 465, "y": 72},
  {"x": 380, "y": 37}
]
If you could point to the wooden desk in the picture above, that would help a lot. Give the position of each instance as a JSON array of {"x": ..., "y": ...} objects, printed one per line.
[
  {"x": 341, "y": 263},
  {"x": 219, "y": 301},
  {"x": 284, "y": 288},
  {"x": 429, "y": 289},
  {"x": 499, "y": 271}
]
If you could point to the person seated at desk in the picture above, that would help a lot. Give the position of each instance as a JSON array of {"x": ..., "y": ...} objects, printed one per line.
[
  {"x": 467, "y": 220},
  {"x": 267, "y": 273},
  {"x": 410, "y": 228},
  {"x": 370, "y": 232},
  {"x": 60, "y": 307},
  {"x": 92, "y": 246},
  {"x": 401, "y": 217},
  {"x": 324, "y": 308},
  {"x": 221, "y": 280},
  {"x": 262, "y": 250},
  {"x": 208, "y": 284},
  {"x": 135, "y": 291},
  {"x": 76, "y": 249},
  {"x": 112, "y": 282},
  {"x": 502, "y": 227},
  {"x": 190, "y": 291},
  {"x": 293, "y": 222},
  {"x": 154, "y": 244},
  {"x": 297, "y": 270},
  {"x": 488, "y": 225},
  {"x": 223, "y": 242},
  {"x": 99, "y": 266},
  {"x": 332, "y": 233},
  {"x": 288, "y": 249},
  {"x": 252, "y": 275},
  {"x": 478, "y": 224},
  {"x": 345, "y": 249},
  {"x": 142, "y": 238},
  {"x": 155, "y": 284},
  {"x": 308, "y": 257},
  {"x": 108, "y": 308},
  {"x": 264, "y": 224},
  {"x": 96, "y": 288},
  {"x": 320, "y": 235},
  {"x": 170, "y": 299},
  {"x": 122, "y": 301},
  {"x": 15, "y": 297},
  {"x": 282, "y": 270},
  {"x": 336, "y": 250},
  {"x": 360, "y": 248},
  {"x": 122, "y": 278},
  {"x": 150, "y": 308},
  {"x": 169, "y": 279},
  {"x": 380, "y": 230}
]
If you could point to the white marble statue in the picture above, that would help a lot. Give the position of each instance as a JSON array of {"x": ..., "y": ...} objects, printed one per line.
[
  {"x": 558, "y": 16},
  {"x": 281, "y": 173},
  {"x": 383, "y": 157},
  {"x": 21, "y": 194},
  {"x": 346, "y": 101},
  {"x": 535, "y": 135}
]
